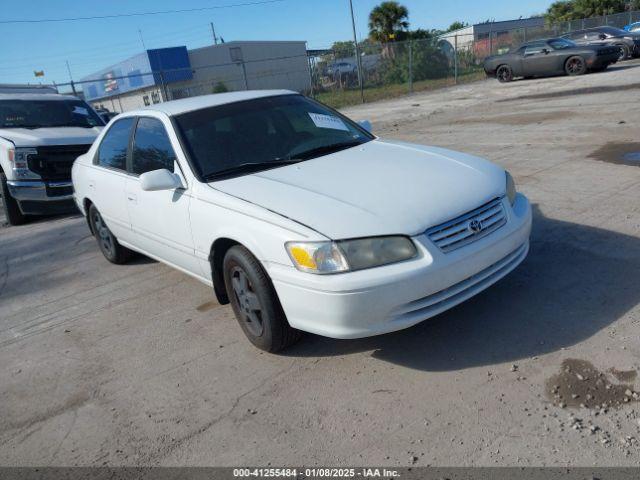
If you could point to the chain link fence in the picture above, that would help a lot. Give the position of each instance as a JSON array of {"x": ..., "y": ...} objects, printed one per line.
[{"x": 332, "y": 75}]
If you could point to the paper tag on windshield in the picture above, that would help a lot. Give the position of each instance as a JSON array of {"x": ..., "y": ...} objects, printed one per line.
[
  {"x": 327, "y": 121},
  {"x": 81, "y": 111}
]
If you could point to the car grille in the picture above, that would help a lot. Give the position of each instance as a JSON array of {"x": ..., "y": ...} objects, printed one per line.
[
  {"x": 469, "y": 227},
  {"x": 54, "y": 162}
]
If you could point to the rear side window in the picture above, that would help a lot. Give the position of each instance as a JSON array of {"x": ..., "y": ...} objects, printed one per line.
[
  {"x": 112, "y": 152},
  {"x": 152, "y": 148}
]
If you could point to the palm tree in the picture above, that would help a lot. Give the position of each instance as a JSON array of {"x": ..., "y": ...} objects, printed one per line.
[{"x": 387, "y": 20}]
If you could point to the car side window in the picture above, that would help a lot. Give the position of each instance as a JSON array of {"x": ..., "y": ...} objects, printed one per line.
[
  {"x": 152, "y": 148},
  {"x": 112, "y": 152},
  {"x": 534, "y": 48}
]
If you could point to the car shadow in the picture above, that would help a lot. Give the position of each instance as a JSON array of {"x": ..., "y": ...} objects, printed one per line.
[{"x": 576, "y": 281}]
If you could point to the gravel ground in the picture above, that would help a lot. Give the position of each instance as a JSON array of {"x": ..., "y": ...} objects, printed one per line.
[{"x": 108, "y": 365}]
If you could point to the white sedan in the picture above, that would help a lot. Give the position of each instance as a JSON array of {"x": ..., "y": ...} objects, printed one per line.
[{"x": 299, "y": 217}]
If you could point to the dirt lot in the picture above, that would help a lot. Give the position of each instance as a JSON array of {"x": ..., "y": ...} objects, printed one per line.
[{"x": 137, "y": 365}]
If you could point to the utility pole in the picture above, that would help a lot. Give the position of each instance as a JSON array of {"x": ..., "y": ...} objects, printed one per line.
[
  {"x": 73, "y": 87},
  {"x": 142, "y": 40},
  {"x": 357, "y": 50},
  {"x": 213, "y": 31}
]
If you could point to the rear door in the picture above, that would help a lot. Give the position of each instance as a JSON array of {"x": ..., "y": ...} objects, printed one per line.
[
  {"x": 108, "y": 177},
  {"x": 160, "y": 220}
]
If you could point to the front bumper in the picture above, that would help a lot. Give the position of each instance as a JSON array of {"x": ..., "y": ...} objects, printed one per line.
[
  {"x": 37, "y": 191},
  {"x": 386, "y": 299},
  {"x": 38, "y": 197}
]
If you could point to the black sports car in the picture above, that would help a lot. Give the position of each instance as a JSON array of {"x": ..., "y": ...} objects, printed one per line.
[
  {"x": 628, "y": 42},
  {"x": 554, "y": 56}
]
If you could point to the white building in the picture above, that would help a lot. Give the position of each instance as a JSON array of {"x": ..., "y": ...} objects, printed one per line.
[{"x": 167, "y": 74}]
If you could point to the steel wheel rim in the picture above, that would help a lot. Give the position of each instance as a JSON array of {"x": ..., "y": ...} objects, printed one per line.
[
  {"x": 248, "y": 302},
  {"x": 105, "y": 238}
]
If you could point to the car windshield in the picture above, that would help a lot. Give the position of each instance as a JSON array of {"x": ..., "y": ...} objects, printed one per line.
[
  {"x": 561, "y": 44},
  {"x": 249, "y": 136},
  {"x": 47, "y": 113}
]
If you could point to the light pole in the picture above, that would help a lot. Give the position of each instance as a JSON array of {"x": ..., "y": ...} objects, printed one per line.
[{"x": 358, "y": 60}]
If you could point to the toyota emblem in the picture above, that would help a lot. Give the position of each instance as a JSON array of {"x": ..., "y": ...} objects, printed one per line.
[{"x": 475, "y": 226}]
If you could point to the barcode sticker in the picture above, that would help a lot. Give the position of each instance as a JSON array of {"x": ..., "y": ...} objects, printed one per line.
[{"x": 327, "y": 121}]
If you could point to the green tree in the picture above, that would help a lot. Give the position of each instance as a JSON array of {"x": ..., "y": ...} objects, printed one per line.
[
  {"x": 387, "y": 21},
  {"x": 457, "y": 26},
  {"x": 565, "y": 10},
  {"x": 596, "y": 8},
  {"x": 343, "y": 49}
]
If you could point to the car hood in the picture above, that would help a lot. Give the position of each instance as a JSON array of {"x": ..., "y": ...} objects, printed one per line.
[
  {"x": 378, "y": 188},
  {"x": 26, "y": 137}
]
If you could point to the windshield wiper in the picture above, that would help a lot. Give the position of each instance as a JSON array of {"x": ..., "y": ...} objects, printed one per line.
[
  {"x": 324, "y": 150},
  {"x": 31, "y": 127},
  {"x": 79, "y": 125},
  {"x": 250, "y": 167}
]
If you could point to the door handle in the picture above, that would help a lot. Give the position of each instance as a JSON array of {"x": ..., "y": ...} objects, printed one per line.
[{"x": 132, "y": 198}]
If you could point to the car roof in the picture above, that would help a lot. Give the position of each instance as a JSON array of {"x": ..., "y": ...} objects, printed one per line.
[
  {"x": 176, "y": 107},
  {"x": 36, "y": 96}
]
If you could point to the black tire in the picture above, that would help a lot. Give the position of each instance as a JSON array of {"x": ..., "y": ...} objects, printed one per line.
[
  {"x": 575, "y": 66},
  {"x": 107, "y": 242},
  {"x": 504, "y": 74},
  {"x": 255, "y": 302},
  {"x": 625, "y": 53},
  {"x": 11, "y": 208}
]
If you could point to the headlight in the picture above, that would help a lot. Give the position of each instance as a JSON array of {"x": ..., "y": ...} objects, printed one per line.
[
  {"x": 19, "y": 160},
  {"x": 511, "y": 189},
  {"x": 350, "y": 255}
]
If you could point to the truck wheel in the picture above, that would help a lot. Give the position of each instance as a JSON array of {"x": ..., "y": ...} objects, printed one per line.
[
  {"x": 504, "y": 74},
  {"x": 575, "y": 66},
  {"x": 108, "y": 243},
  {"x": 10, "y": 205},
  {"x": 255, "y": 302}
]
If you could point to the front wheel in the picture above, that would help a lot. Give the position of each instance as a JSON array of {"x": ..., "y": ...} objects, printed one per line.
[
  {"x": 108, "y": 243},
  {"x": 504, "y": 74},
  {"x": 575, "y": 66},
  {"x": 10, "y": 205},
  {"x": 255, "y": 302}
]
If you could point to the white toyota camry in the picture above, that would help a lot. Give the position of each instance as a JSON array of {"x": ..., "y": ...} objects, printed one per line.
[{"x": 299, "y": 217}]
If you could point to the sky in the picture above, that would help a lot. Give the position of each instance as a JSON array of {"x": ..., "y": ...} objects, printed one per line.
[{"x": 91, "y": 45}]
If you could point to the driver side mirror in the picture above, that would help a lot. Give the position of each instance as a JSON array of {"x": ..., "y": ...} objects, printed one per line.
[
  {"x": 545, "y": 51},
  {"x": 602, "y": 36},
  {"x": 366, "y": 124},
  {"x": 157, "y": 180}
]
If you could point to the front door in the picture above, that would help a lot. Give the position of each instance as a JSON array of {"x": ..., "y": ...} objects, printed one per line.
[
  {"x": 160, "y": 220},
  {"x": 538, "y": 60}
]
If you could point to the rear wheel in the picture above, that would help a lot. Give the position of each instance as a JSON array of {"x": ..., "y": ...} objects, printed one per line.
[
  {"x": 255, "y": 302},
  {"x": 625, "y": 53},
  {"x": 504, "y": 74},
  {"x": 575, "y": 66},
  {"x": 108, "y": 243},
  {"x": 10, "y": 205}
]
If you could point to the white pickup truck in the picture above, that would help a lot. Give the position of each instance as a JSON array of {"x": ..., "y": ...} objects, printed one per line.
[{"x": 41, "y": 134}]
